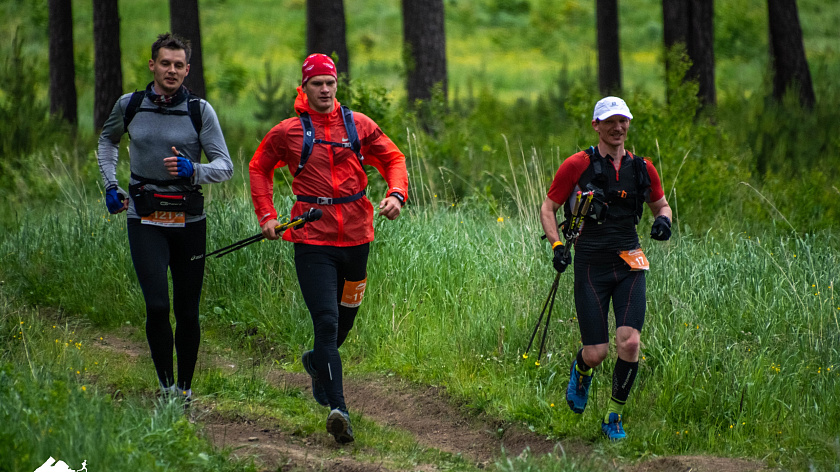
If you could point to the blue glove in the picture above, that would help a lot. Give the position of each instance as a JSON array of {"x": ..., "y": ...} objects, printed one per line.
[
  {"x": 661, "y": 229},
  {"x": 114, "y": 200},
  {"x": 185, "y": 167}
]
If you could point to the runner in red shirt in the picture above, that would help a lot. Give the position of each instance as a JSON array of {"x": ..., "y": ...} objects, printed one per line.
[
  {"x": 331, "y": 253},
  {"x": 609, "y": 264}
]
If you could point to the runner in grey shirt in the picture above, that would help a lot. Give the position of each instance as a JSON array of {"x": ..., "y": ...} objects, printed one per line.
[{"x": 164, "y": 234}]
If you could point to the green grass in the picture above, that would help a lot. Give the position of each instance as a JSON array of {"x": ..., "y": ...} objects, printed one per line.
[
  {"x": 740, "y": 349},
  {"x": 740, "y": 343},
  {"x": 54, "y": 402}
]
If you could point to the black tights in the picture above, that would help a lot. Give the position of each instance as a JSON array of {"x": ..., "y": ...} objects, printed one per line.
[
  {"x": 321, "y": 272},
  {"x": 181, "y": 250}
]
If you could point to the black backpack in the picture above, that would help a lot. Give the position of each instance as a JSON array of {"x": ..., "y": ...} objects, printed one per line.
[
  {"x": 309, "y": 137},
  {"x": 604, "y": 197},
  {"x": 193, "y": 109}
]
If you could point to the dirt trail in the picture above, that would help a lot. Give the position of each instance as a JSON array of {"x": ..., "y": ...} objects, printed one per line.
[{"x": 425, "y": 412}]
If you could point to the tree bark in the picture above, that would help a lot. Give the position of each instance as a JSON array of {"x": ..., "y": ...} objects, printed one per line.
[
  {"x": 184, "y": 21},
  {"x": 675, "y": 28},
  {"x": 701, "y": 49},
  {"x": 107, "y": 60},
  {"x": 609, "y": 59},
  {"x": 790, "y": 65},
  {"x": 326, "y": 32},
  {"x": 691, "y": 23},
  {"x": 424, "y": 42},
  {"x": 63, "y": 101}
]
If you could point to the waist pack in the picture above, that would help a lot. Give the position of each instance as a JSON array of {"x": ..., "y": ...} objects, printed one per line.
[{"x": 148, "y": 201}]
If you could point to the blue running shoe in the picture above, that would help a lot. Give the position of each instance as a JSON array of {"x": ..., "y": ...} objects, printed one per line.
[
  {"x": 317, "y": 389},
  {"x": 577, "y": 393},
  {"x": 613, "y": 429},
  {"x": 338, "y": 424}
]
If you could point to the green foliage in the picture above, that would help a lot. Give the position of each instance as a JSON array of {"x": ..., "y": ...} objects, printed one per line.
[
  {"x": 22, "y": 111},
  {"x": 231, "y": 82},
  {"x": 372, "y": 100},
  {"x": 275, "y": 101},
  {"x": 51, "y": 407},
  {"x": 454, "y": 288},
  {"x": 740, "y": 31}
]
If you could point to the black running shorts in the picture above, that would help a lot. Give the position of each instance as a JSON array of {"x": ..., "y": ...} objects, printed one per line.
[{"x": 598, "y": 283}]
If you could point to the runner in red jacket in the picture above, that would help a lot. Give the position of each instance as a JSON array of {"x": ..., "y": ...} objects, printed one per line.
[{"x": 331, "y": 253}]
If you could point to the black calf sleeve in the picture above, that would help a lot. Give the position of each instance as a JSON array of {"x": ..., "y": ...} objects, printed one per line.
[{"x": 624, "y": 375}]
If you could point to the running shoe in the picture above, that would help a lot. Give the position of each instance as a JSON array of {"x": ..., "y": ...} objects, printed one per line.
[
  {"x": 613, "y": 429},
  {"x": 338, "y": 424},
  {"x": 318, "y": 390},
  {"x": 577, "y": 393}
]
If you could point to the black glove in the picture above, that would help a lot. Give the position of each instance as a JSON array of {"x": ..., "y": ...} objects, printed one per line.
[
  {"x": 561, "y": 259},
  {"x": 661, "y": 229}
]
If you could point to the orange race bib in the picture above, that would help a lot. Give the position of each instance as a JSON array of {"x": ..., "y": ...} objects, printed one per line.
[
  {"x": 353, "y": 293},
  {"x": 172, "y": 219},
  {"x": 636, "y": 259}
]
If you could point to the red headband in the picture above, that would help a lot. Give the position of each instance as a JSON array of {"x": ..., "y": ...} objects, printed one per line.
[{"x": 317, "y": 64}]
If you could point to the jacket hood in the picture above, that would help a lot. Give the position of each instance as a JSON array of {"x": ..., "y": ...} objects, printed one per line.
[{"x": 302, "y": 104}]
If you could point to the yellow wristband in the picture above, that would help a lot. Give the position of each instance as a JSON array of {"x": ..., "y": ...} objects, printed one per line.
[{"x": 558, "y": 243}]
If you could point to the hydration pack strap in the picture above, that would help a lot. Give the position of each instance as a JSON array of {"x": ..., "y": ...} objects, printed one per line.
[
  {"x": 309, "y": 140},
  {"x": 193, "y": 110}
]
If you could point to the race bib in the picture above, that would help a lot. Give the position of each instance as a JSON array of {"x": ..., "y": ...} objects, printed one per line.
[
  {"x": 172, "y": 219},
  {"x": 636, "y": 259},
  {"x": 353, "y": 293}
]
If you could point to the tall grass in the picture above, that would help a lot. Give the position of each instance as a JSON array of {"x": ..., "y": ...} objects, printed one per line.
[
  {"x": 739, "y": 350},
  {"x": 51, "y": 405},
  {"x": 740, "y": 347}
]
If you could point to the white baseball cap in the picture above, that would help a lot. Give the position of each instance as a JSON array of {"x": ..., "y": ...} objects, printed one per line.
[{"x": 609, "y": 106}]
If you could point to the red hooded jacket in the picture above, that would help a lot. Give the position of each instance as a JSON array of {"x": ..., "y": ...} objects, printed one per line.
[{"x": 331, "y": 172}]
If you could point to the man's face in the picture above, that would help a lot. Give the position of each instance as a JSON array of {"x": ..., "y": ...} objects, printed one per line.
[
  {"x": 612, "y": 130},
  {"x": 169, "y": 69},
  {"x": 320, "y": 91}
]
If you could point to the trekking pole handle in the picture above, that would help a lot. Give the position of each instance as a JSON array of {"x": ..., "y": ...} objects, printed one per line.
[{"x": 313, "y": 214}]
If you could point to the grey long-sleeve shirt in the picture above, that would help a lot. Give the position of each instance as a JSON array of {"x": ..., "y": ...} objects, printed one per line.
[{"x": 152, "y": 136}]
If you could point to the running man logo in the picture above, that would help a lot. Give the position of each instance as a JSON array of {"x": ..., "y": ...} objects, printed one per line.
[{"x": 51, "y": 465}]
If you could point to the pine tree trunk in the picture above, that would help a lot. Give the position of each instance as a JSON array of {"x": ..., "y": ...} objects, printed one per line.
[
  {"x": 326, "y": 32},
  {"x": 691, "y": 23},
  {"x": 63, "y": 101},
  {"x": 424, "y": 48},
  {"x": 107, "y": 56},
  {"x": 701, "y": 49},
  {"x": 609, "y": 59},
  {"x": 790, "y": 65},
  {"x": 184, "y": 21},
  {"x": 675, "y": 30}
]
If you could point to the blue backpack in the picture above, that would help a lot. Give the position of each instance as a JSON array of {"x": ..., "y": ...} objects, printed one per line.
[{"x": 309, "y": 137}]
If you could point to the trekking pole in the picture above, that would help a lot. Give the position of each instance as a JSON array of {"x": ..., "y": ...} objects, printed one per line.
[
  {"x": 551, "y": 294},
  {"x": 550, "y": 299},
  {"x": 571, "y": 234},
  {"x": 313, "y": 214}
]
